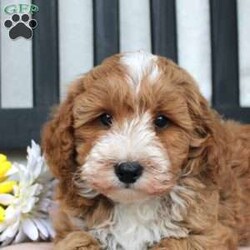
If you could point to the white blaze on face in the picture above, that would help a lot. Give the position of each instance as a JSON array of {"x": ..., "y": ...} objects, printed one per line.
[
  {"x": 133, "y": 140},
  {"x": 140, "y": 64}
]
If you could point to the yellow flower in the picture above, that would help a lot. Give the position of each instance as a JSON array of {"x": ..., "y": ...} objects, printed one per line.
[
  {"x": 2, "y": 214},
  {"x": 7, "y": 187},
  {"x": 2, "y": 158},
  {"x": 5, "y": 166}
]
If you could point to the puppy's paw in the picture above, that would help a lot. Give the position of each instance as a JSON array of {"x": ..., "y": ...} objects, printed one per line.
[{"x": 77, "y": 241}]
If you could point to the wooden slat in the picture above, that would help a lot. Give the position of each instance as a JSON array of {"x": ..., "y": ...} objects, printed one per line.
[
  {"x": 106, "y": 29},
  {"x": 194, "y": 46},
  {"x": 76, "y": 40},
  {"x": 237, "y": 113},
  {"x": 163, "y": 28},
  {"x": 16, "y": 66},
  {"x": 224, "y": 53},
  {"x": 0, "y": 62},
  {"x": 244, "y": 51},
  {"x": 45, "y": 54},
  {"x": 135, "y": 31},
  {"x": 19, "y": 126}
]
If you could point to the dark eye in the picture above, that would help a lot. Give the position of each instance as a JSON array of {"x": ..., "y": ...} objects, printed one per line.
[
  {"x": 106, "y": 119},
  {"x": 161, "y": 121}
]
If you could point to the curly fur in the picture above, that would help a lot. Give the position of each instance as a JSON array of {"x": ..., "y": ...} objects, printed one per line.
[{"x": 195, "y": 189}]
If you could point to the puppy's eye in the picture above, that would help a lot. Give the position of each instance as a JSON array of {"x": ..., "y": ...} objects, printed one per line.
[
  {"x": 106, "y": 119},
  {"x": 161, "y": 121}
]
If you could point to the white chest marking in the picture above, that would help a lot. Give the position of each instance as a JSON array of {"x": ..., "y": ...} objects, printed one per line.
[{"x": 138, "y": 226}]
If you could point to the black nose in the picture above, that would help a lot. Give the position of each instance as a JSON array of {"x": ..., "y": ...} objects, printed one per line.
[{"x": 128, "y": 172}]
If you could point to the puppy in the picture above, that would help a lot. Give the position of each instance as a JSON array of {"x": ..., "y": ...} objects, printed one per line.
[{"x": 143, "y": 162}]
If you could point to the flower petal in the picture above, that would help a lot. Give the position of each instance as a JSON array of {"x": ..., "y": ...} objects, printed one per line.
[
  {"x": 11, "y": 231},
  {"x": 30, "y": 229},
  {"x": 6, "y": 199},
  {"x": 29, "y": 205},
  {"x": 12, "y": 171},
  {"x": 12, "y": 214},
  {"x": 7, "y": 241},
  {"x": 3, "y": 226},
  {"x": 20, "y": 237},
  {"x": 8, "y": 233},
  {"x": 41, "y": 228},
  {"x": 47, "y": 224},
  {"x": 37, "y": 170}
]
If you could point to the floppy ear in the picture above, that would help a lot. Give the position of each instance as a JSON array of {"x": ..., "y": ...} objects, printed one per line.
[
  {"x": 59, "y": 148},
  {"x": 207, "y": 143},
  {"x": 203, "y": 117},
  {"x": 58, "y": 138}
]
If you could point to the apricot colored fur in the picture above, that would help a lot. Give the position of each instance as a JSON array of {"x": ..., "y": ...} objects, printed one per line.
[{"x": 209, "y": 156}]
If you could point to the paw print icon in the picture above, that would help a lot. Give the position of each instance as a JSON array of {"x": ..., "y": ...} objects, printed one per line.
[{"x": 20, "y": 26}]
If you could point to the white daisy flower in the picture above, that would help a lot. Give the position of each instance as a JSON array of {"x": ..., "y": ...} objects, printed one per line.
[{"x": 26, "y": 215}]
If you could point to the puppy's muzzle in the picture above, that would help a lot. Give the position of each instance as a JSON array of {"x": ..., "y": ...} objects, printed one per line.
[{"x": 128, "y": 172}]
